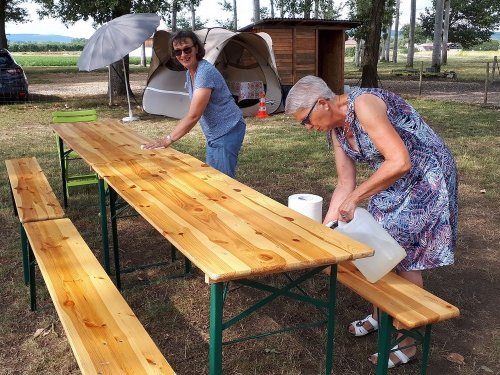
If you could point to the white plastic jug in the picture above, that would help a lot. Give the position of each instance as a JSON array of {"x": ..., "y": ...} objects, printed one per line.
[{"x": 388, "y": 253}]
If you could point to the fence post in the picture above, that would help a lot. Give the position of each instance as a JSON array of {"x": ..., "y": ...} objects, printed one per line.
[
  {"x": 420, "y": 81},
  {"x": 495, "y": 65},
  {"x": 486, "y": 82}
]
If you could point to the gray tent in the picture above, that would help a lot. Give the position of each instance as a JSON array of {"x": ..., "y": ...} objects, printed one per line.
[{"x": 245, "y": 60}]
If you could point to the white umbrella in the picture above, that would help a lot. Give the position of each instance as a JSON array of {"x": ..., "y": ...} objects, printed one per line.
[{"x": 116, "y": 39}]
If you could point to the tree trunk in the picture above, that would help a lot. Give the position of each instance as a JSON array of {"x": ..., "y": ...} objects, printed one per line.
[
  {"x": 388, "y": 43},
  {"x": 3, "y": 16},
  {"x": 444, "y": 57},
  {"x": 116, "y": 84},
  {"x": 193, "y": 17},
  {"x": 143, "y": 54},
  {"x": 438, "y": 36},
  {"x": 256, "y": 11},
  {"x": 369, "y": 77},
  {"x": 235, "y": 16},
  {"x": 411, "y": 41},
  {"x": 174, "y": 16},
  {"x": 307, "y": 9},
  {"x": 271, "y": 2},
  {"x": 396, "y": 34}
]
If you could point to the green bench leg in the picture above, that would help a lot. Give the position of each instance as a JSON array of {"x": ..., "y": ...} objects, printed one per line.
[
  {"x": 62, "y": 164},
  {"x": 384, "y": 343},
  {"x": 32, "y": 280},
  {"x": 24, "y": 252},
  {"x": 215, "y": 346},
  {"x": 114, "y": 235},
  {"x": 104, "y": 225},
  {"x": 426, "y": 344}
]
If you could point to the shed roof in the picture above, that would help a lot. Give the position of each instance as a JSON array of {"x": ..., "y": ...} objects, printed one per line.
[{"x": 311, "y": 22}]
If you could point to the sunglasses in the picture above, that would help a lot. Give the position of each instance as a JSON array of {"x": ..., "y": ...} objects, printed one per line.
[
  {"x": 186, "y": 50},
  {"x": 307, "y": 120}
]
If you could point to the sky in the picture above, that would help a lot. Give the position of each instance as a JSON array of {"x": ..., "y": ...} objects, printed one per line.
[{"x": 208, "y": 10}]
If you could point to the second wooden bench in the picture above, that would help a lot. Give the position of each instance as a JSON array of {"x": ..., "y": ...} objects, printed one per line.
[
  {"x": 105, "y": 335},
  {"x": 403, "y": 308}
]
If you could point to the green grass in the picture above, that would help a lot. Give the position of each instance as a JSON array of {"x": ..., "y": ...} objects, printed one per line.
[
  {"x": 468, "y": 65},
  {"x": 277, "y": 159},
  {"x": 50, "y": 60}
]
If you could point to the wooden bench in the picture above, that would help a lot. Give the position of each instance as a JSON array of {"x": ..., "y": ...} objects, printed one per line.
[
  {"x": 403, "y": 308},
  {"x": 32, "y": 198},
  {"x": 105, "y": 335}
]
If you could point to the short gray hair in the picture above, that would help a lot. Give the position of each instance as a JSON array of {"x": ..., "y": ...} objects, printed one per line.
[{"x": 305, "y": 92}]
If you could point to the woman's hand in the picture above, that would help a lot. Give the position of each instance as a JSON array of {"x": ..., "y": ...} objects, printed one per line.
[
  {"x": 346, "y": 209},
  {"x": 160, "y": 143}
]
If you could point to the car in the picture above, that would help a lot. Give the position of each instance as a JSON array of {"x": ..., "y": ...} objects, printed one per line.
[{"x": 13, "y": 81}]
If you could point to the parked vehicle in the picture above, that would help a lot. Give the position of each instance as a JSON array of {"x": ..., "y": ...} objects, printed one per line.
[{"x": 13, "y": 81}]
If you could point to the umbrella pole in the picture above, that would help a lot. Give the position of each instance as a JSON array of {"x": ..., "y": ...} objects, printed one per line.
[{"x": 130, "y": 116}]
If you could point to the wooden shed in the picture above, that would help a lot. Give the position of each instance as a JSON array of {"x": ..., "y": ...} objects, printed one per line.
[{"x": 307, "y": 47}]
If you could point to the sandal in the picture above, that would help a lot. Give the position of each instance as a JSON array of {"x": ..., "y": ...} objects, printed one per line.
[
  {"x": 403, "y": 358},
  {"x": 360, "y": 330}
]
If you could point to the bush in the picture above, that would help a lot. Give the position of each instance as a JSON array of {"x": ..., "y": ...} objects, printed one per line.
[
  {"x": 491, "y": 45},
  {"x": 76, "y": 45}
]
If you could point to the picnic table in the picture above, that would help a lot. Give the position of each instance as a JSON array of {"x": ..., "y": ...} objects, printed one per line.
[{"x": 229, "y": 231}]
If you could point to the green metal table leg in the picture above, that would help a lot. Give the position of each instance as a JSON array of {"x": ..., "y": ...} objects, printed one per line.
[
  {"x": 32, "y": 280},
  {"x": 425, "y": 349},
  {"x": 104, "y": 225},
  {"x": 63, "y": 171},
  {"x": 384, "y": 343},
  {"x": 330, "y": 332},
  {"x": 114, "y": 235},
  {"x": 188, "y": 267},
  {"x": 215, "y": 348},
  {"x": 24, "y": 252}
]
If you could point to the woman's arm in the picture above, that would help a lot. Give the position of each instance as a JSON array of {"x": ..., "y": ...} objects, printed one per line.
[
  {"x": 371, "y": 112},
  {"x": 201, "y": 96},
  {"x": 346, "y": 181}
]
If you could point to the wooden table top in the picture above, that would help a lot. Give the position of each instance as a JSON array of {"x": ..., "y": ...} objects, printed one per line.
[
  {"x": 107, "y": 141},
  {"x": 224, "y": 227}
]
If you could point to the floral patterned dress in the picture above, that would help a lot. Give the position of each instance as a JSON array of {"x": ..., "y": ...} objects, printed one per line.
[{"x": 420, "y": 210}]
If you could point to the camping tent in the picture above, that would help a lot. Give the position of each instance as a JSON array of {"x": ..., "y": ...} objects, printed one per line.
[{"x": 245, "y": 60}]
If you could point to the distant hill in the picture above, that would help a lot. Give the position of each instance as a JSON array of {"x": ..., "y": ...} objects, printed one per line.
[
  {"x": 496, "y": 35},
  {"x": 16, "y": 38}
]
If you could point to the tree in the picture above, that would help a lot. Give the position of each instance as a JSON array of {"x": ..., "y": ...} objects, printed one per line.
[
  {"x": 446, "y": 27},
  {"x": 256, "y": 10},
  {"x": 471, "y": 22},
  {"x": 230, "y": 24},
  {"x": 70, "y": 11},
  {"x": 396, "y": 34},
  {"x": 438, "y": 36},
  {"x": 10, "y": 11},
  {"x": 411, "y": 36}
]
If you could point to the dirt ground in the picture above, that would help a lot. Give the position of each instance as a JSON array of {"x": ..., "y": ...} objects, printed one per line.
[
  {"x": 475, "y": 289},
  {"x": 452, "y": 90}
]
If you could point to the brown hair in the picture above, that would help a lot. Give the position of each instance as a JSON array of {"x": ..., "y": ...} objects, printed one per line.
[{"x": 180, "y": 35}]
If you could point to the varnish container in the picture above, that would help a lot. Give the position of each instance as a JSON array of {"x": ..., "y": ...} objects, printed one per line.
[{"x": 388, "y": 253}]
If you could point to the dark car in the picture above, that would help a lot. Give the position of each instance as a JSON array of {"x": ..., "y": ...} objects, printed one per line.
[{"x": 13, "y": 82}]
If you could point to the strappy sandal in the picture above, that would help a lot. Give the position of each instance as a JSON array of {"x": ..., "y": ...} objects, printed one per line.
[
  {"x": 403, "y": 358},
  {"x": 360, "y": 330}
]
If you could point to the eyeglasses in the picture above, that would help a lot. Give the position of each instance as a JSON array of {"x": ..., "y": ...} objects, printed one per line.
[
  {"x": 186, "y": 50},
  {"x": 306, "y": 120}
]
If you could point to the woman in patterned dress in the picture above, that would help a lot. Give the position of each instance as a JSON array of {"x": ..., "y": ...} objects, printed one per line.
[
  {"x": 211, "y": 103},
  {"x": 413, "y": 190}
]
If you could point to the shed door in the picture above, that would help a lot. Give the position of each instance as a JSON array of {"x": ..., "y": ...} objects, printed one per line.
[{"x": 331, "y": 58}]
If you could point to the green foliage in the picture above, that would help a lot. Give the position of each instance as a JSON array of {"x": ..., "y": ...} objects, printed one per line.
[
  {"x": 47, "y": 46},
  {"x": 490, "y": 45},
  {"x": 471, "y": 22},
  {"x": 420, "y": 34},
  {"x": 45, "y": 60}
]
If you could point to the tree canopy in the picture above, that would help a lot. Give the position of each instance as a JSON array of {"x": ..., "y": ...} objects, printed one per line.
[
  {"x": 471, "y": 22},
  {"x": 10, "y": 11}
]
